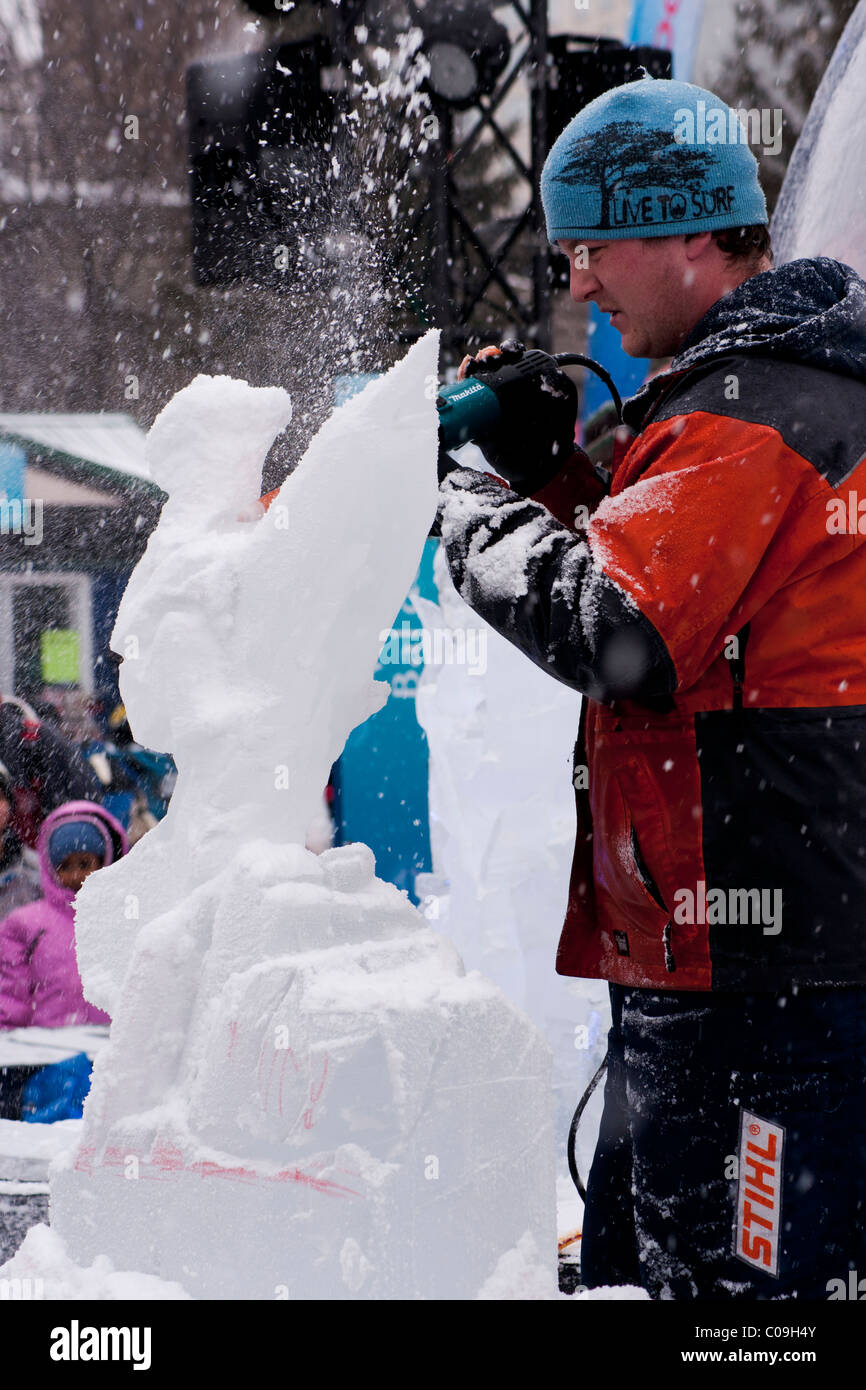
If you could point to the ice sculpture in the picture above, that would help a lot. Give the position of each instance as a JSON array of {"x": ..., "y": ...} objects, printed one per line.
[
  {"x": 304, "y": 1095},
  {"x": 822, "y": 206}
]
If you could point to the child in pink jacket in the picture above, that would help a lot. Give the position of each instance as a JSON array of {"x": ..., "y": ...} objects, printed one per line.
[{"x": 39, "y": 981}]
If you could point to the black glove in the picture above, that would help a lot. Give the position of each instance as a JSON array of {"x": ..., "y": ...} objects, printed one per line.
[{"x": 536, "y": 436}]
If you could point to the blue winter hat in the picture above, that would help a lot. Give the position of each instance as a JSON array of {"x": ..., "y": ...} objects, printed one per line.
[
  {"x": 76, "y": 837},
  {"x": 651, "y": 158}
]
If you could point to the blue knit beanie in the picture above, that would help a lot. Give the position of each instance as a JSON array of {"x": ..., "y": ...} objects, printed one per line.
[
  {"x": 76, "y": 837},
  {"x": 651, "y": 158}
]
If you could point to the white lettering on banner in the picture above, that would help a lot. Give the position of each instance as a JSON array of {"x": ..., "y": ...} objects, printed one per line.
[{"x": 759, "y": 1192}]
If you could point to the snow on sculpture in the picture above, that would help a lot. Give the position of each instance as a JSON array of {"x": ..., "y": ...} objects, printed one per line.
[
  {"x": 303, "y": 1095},
  {"x": 822, "y": 206},
  {"x": 500, "y": 734}
]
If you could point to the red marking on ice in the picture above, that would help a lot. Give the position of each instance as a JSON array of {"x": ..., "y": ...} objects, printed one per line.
[
  {"x": 114, "y": 1156},
  {"x": 270, "y": 1078},
  {"x": 282, "y": 1074},
  {"x": 206, "y": 1169},
  {"x": 309, "y": 1116},
  {"x": 290, "y": 1056},
  {"x": 168, "y": 1158},
  {"x": 314, "y": 1096},
  {"x": 233, "y": 1035},
  {"x": 320, "y": 1184}
]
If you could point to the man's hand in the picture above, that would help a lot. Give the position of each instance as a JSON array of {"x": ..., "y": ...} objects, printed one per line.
[{"x": 536, "y": 437}]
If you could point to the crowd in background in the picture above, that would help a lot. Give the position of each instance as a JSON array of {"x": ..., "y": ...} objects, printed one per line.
[{"x": 67, "y": 809}]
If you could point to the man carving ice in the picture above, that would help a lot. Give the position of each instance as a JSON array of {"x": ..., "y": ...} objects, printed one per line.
[{"x": 716, "y": 625}]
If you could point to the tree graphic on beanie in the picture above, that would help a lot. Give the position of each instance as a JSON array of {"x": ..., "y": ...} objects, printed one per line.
[{"x": 624, "y": 160}]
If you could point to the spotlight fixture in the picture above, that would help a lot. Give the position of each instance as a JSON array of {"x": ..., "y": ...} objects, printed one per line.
[{"x": 466, "y": 47}]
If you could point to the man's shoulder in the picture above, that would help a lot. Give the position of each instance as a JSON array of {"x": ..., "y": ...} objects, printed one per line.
[{"x": 820, "y": 414}]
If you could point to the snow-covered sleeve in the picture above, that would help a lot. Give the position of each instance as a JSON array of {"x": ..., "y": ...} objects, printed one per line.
[
  {"x": 16, "y": 1000},
  {"x": 718, "y": 516},
  {"x": 574, "y": 493},
  {"x": 536, "y": 582}
]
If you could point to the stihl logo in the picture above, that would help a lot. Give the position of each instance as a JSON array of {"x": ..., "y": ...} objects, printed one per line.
[{"x": 759, "y": 1194}]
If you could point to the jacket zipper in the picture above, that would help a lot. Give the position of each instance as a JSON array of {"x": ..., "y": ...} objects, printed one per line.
[{"x": 652, "y": 888}]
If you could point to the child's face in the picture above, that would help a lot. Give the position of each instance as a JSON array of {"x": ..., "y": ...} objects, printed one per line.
[{"x": 76, "y": 867}]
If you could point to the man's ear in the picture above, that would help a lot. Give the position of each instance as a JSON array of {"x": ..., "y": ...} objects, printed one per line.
[{"x": 696, "y": 244}]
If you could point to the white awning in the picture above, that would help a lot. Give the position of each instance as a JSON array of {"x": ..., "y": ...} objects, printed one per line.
[{"x": 109, "y": 439}]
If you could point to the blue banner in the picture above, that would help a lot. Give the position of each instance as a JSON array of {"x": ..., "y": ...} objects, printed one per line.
[
  {"x": 673, "y": 24},
  {"x": 381, "y": 778},
  {"x": 13, "y": 462}
]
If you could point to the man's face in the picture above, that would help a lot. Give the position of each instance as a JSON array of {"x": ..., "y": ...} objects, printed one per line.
[{"x": 644, "y": 284}]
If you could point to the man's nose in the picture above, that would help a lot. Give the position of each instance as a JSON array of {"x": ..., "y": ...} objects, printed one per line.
[{"x": 584, "y": 284}]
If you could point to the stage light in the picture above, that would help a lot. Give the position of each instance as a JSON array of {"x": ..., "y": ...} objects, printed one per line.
[{"x": 466, "y": 47}]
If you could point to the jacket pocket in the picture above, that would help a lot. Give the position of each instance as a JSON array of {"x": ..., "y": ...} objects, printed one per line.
[
  {"x": 644, "y": 874},
  {"x": 647, "y": 811},
  {"x": 626, "y": 885}
]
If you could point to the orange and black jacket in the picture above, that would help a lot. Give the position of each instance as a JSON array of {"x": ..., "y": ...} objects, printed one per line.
[{"x": 712, "y": 609}]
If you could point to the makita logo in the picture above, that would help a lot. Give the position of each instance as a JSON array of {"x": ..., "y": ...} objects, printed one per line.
[
  {"x": 467, "y": 391},
  {"x": 759, "y": 1194},
  {"x": 76, "y": 1343}
]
